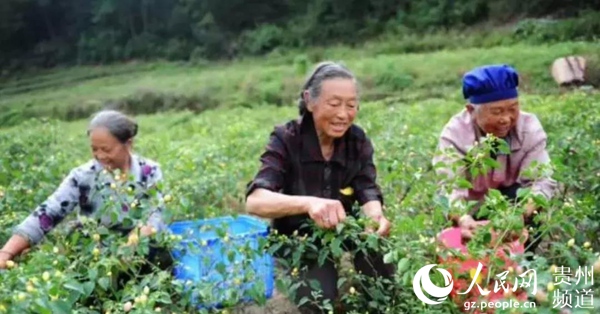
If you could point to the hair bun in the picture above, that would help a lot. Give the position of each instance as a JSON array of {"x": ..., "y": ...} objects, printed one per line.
[
  {"x": 135, "y": 130},
  {"x": 322, "y": 71}
]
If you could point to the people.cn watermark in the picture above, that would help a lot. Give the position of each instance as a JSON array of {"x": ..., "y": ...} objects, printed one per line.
[{"x": 562, "y": 287}]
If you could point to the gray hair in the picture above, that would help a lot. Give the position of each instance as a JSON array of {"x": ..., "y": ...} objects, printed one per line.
[
  {"x": 118, "y": 124},
  {"x": 477, "y": 108},
  {"x": 322, "y": 72}
]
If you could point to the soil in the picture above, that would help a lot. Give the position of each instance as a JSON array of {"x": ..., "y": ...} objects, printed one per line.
[{"x": 278, "y": 304}]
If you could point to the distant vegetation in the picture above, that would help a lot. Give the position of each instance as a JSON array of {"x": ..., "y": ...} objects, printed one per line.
[
  {"x": 44, "y": 33},
  {"x": 143, "y": 88},
  {"x": 241, "y": 63}
]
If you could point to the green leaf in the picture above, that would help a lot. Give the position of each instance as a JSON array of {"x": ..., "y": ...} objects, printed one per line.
[
  {"x": 336, "y": 247},
  {"x": 339, "y": 228},
  {"x": 75, "y": 286},
  {"x": 231, "y": 256},
  {"x": 42, "y": 306},
  {"x": 543, "y": 310},
  {"x": 463, "y": 183},
  {"x": 474, "y": 172},
  {"x": 322, "y": 256},
  {"x": 127, "y": 222},
  {"x": 487, "y": 237},
  {"x": 491, "y": 163},
  {"x": 517, "y": 223},
  {"x": 221, "y": 268},
  {"x": 114, "y": 217},
  {"x": 73, "y": 297},
  {"x": 303, "y": 301},
  {"x": 75, "y": 237},
  {"x": 388, "y": 257},
  {"x": 406, "y": 278},
  {"x": 523, "y": 193},
  {"x": 93, "y": 274},
  {"x": 164, "y": 299},
  {"x": 314, "y": 284},
  {"x": 297, "y": 255},
  {"x": 328, "y": 237},
  {"x": 570, "y": 229},
  {"x": 60, "y": 307},
  {"x": 88, "y": 288},
  {"x": 372, "y": 241},
  {"x": 103, "y": 283},
  {"x": 494, "y": 193},
  {"x": 403, "y": 264},
  {"x": 341, "y": 281},
  {"x": 483, "y": 211}
]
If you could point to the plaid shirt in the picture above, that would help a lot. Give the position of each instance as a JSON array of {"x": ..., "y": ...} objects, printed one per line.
[{"x": 293, "y": 164}]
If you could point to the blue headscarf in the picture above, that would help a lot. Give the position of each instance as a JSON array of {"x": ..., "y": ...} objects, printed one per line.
[{"x": 490, "y": 83}]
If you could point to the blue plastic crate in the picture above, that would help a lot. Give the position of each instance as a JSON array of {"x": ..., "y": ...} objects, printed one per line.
[{"x": 219, "y": 257}]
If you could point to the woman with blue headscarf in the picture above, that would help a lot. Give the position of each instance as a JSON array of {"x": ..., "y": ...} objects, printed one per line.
[{"x": 493, "y": 109}]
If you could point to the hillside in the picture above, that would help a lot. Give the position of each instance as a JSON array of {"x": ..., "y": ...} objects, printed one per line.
[{"x": 384, "y": 70}]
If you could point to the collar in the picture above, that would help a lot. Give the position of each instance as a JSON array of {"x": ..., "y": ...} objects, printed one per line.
[
  {"x": 310, "y": 148},
  {"x": 517, "y": 143},
  {"x": 135, "y": 167}
]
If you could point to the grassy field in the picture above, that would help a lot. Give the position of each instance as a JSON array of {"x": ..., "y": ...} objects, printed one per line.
[
  {"x": 70, "y": 94},
  {"x": 208, "y": 158}
]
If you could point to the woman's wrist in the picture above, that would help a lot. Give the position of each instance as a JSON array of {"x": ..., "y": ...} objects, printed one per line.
[
  {"x": 373, "y": 210},
  {"x": 7, "y": 254},
  {"x": 375, "y": 215}
]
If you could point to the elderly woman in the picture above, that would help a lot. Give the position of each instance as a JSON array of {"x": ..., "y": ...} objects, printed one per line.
[
  {"x": 111, "y": 135},
  {"x": 493, "y": 108},
  {"x": 306, "y": 165}
]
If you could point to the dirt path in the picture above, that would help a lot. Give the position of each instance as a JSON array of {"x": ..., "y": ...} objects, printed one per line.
[{"x": 278, "y": 304}]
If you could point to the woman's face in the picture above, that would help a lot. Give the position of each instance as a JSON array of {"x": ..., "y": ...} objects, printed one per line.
[
  {"x": 335, "y": 108},
  {"x": 498, "y": 117},
  {"x": 108, "y": 150}
]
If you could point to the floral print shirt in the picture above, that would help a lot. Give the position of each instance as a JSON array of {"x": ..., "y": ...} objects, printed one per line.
[{"x": 82, "y": 187}]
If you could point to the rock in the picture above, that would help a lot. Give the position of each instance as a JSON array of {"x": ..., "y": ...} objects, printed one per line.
[
  {"x": 569, "y": 71},
  {"x": 276, "y": 304}
]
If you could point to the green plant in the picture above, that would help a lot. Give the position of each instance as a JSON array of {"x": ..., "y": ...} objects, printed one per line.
[{"x": 207, "y": 160}]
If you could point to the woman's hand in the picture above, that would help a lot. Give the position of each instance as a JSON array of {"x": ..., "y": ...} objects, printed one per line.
[
  {"x": 326, "y": 213},
  {"x": 468, "y": 225},
  {"x": 373, "y": 210},
  {"x": 383, "y": 226},
  {"x": 531, "y": 209},
  {"x": 134, "y": 236},
  {"x": 15, "y": 246},
  {"x": 147, "y": 231},
  {"x": 4, "y": 258}
]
